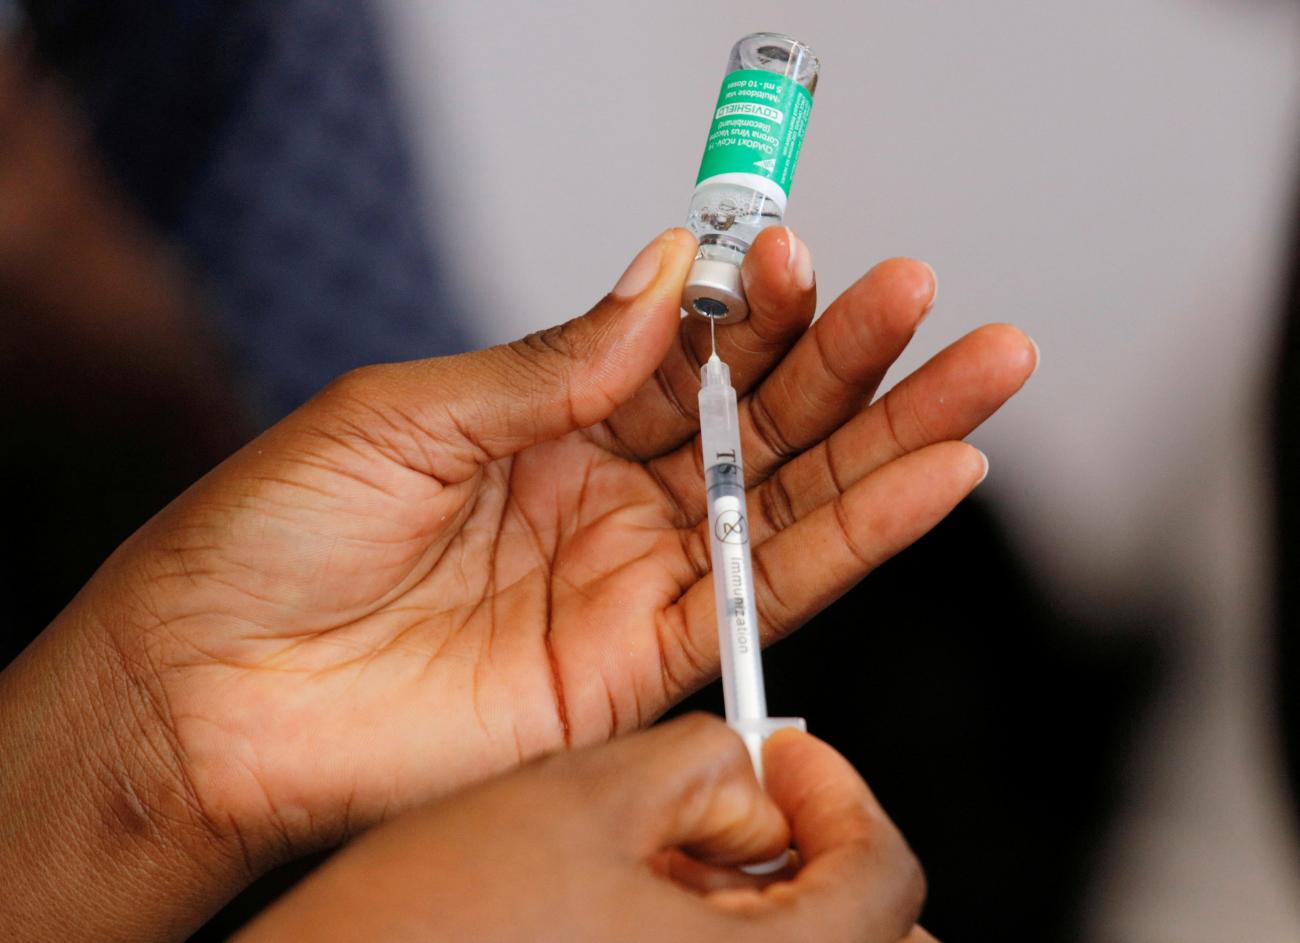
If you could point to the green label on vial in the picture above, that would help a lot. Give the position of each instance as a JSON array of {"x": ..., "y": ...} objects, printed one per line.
[{"x": 757, "y": 127}]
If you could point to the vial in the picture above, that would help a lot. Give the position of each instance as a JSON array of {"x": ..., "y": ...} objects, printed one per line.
[{"x": 749, "y": 160}]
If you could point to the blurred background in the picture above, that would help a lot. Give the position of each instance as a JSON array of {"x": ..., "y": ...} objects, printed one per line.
[{"x": 1073, "y": 695}]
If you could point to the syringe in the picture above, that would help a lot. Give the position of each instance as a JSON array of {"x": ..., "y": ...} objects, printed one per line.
[{"x": 733, "y": 577}]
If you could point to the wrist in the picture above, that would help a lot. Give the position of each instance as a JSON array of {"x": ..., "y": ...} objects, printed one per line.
[{"x": 101, "y": 835}]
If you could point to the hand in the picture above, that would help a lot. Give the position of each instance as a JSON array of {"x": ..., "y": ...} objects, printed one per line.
[
  {"x": 435, "y": 570},
  {"x": 588, "y": 846}
]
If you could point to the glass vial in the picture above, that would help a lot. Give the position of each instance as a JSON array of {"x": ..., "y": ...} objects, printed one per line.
[{"x": 749, "y": 160}]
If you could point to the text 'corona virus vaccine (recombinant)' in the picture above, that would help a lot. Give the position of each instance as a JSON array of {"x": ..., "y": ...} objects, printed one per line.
[{"x": 749, "y": 160}]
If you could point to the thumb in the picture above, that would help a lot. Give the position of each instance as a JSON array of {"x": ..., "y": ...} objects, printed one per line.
[{"x": 484, "y": 405}]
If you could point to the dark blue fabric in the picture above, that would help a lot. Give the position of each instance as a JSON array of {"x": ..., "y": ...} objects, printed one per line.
[
  {"x": 157, "y": 81},
  {"x": 264, "y": 138}
]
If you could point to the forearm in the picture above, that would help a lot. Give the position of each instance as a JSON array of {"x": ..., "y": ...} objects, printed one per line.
[{"x": 100, "y": 838}]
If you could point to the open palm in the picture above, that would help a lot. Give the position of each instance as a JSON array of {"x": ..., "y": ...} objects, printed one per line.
[{"x": 438, "y": 569}]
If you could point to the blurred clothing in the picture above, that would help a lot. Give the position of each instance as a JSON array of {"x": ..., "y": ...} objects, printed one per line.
[{"x": 263, "y": 138}]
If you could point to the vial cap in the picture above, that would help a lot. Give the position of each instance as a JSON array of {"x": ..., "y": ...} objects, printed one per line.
[{"x": 713, "y": 291}]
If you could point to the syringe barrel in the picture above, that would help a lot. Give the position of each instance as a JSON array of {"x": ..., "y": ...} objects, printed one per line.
[
  {"x": 733, "y": 586},
  {"x": 733, "y": 574}
]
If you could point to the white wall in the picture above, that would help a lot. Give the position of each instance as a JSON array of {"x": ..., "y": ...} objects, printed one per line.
[{"x": 1116, "y": 177}]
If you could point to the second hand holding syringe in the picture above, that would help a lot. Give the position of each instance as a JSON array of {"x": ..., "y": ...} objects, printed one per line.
[{"x": 733, "y": 575}]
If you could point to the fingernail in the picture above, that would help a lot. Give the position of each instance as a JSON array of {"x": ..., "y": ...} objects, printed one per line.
[
  {"x": 934, "y": 293},
  {"x": 985, "y": 473},
  {"x": 641, "y": 272},
  {"x": 799, "y": 261},
  {"x": 1037, "y": 357}
]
